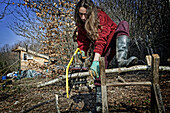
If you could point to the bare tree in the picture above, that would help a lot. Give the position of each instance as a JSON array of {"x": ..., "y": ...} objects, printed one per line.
[
  {"x": 149, "y": 24},
  {"x": 26, "y": 24},
  {"x": 6, "y": 8}
]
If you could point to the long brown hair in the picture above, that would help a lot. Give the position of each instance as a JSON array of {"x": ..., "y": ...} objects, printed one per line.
[{"x": 92, "y": 22}]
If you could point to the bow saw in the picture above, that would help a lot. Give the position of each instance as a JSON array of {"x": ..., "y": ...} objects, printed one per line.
[{"x": 67, "y": 69}]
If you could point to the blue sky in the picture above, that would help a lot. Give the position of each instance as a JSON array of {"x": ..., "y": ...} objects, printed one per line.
[{"x": 6, "y": 35}]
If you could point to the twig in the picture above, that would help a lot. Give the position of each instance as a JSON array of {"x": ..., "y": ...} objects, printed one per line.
[{"x": 56, "y": 97}]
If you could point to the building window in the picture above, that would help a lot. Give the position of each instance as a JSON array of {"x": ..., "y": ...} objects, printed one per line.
[{"x": 25, "y": 56}]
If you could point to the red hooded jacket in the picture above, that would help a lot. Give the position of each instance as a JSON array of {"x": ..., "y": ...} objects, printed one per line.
[{"x": 105, "y": 35}]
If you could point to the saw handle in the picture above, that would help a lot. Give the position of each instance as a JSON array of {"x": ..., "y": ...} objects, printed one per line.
[{"x": 84, "y": 57}]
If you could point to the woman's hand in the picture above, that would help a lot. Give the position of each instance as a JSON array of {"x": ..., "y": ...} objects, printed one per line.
[
  {"x": 94, "y": 69},
  {"x": 81, "y": 55}
]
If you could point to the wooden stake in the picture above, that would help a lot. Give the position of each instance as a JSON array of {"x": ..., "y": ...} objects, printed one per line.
[
  {"x": 149, "y": 60},
  {"x": 155, "y": 68},
  {"x": 103, "y": 85},
  {"x": 156, "y": 98}
]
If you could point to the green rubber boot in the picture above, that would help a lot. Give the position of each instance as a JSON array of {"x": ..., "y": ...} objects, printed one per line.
[{"x": 122, "y": 43}]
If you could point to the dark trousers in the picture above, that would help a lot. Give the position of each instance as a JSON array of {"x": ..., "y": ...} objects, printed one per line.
[{"x": 122, "y": 29}]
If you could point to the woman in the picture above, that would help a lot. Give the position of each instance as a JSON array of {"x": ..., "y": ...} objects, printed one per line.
[{"x": 96, "y": 27}]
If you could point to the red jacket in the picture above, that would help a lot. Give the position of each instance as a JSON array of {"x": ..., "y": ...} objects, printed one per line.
[{"x": 105, "y": 35}]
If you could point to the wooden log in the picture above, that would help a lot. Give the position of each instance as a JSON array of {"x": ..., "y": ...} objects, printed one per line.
[
  {"x": 107, "y": 71},
  {"x": 103, "y": 86},
  {"x": 127, "y": 69},
  {"x": 129, "y": 84},
  {"x": 134, "y": 68},
  {"x": 164, "y": 68}
]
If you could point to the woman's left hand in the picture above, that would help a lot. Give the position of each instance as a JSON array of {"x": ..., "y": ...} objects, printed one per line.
[{"x": 94, "y": 69}]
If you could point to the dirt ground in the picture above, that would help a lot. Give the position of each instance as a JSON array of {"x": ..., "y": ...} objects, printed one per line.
[{"x": 23, "y": 94}]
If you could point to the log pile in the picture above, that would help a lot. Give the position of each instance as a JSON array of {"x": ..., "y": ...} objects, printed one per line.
[
  {"x": 50, "y": 70},
  {"x": 33, "y": 65}
]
